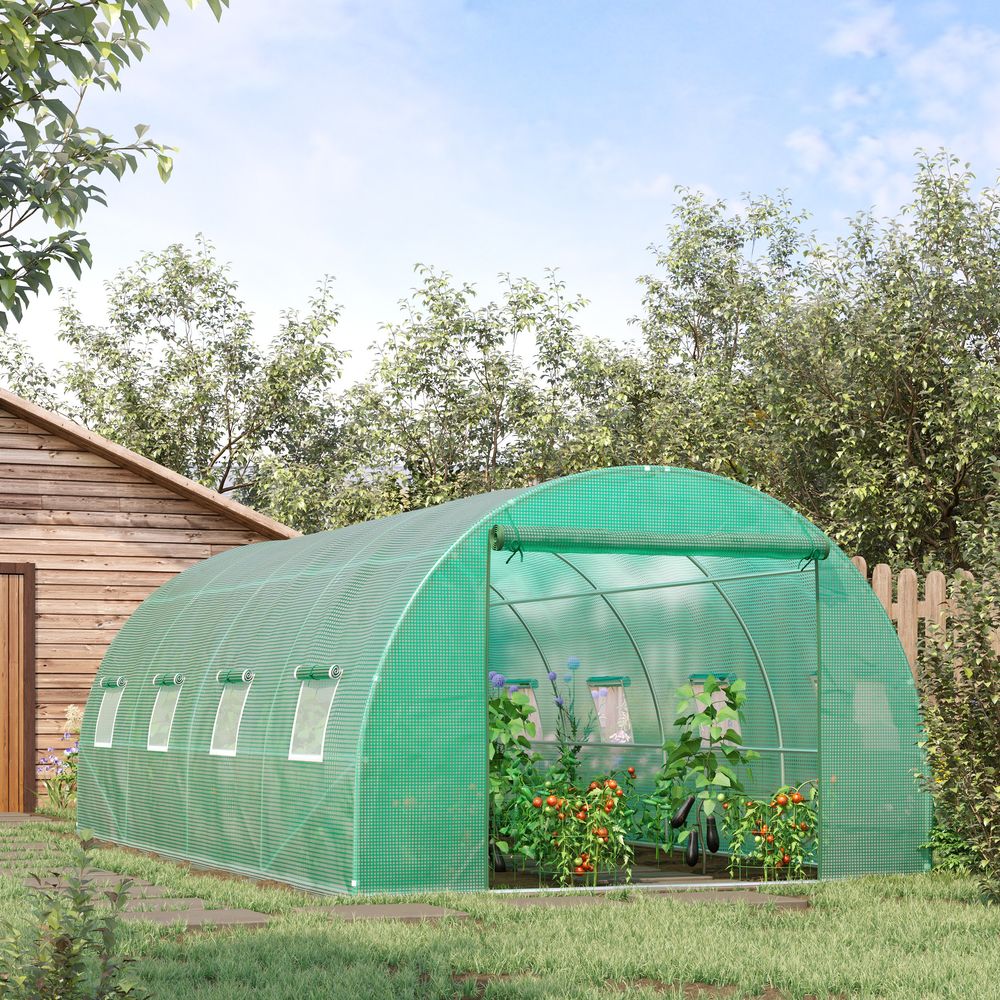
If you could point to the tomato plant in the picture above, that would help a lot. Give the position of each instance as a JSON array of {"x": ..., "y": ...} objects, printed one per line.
[
  {"x": 778, "y": 834},
  {"x": 570, "y": 832}
]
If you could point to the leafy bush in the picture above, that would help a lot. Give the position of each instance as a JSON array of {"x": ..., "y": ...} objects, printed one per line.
[
  {"x": 959, "y": 681},
  {"x": 68, "y": 949},
  {"x": 950, "y": 851}
]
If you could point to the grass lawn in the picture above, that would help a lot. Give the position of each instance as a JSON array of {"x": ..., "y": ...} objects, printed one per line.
[{"x": 910, "y": 938}]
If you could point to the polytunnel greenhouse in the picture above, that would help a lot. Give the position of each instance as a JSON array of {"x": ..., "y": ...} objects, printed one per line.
[{"x": 315, "y": 710}]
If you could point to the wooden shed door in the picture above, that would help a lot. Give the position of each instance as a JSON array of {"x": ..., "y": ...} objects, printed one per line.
[{"x": 17, "y": 751}]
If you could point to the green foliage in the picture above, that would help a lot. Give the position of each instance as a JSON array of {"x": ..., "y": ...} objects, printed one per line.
[
  {"x": 959, "y": 680},
  {"x": 512, "y": 761},
  {"x": 950, "y": 851},
  {"x": 451, "y": 408},
  {"x": 68, "y": 950},
  {"x": 177, "y": 375},
  {"x": 51, "y": 53}
]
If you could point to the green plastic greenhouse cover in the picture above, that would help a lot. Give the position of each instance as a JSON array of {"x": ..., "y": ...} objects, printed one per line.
[{"x": 328, "y": 722}]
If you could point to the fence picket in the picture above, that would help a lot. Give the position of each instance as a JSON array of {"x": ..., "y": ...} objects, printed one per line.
[{"x": 906, "y": 607}]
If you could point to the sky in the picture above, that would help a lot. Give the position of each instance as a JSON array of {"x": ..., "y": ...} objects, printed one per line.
[{"x": 356, "y": 139}]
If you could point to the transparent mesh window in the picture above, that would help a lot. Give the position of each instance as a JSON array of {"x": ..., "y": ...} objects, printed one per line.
[
  {"x": 718, "y": 701},
  {"x": 226, "y": 731},
  {"x": 163, "y": 717},
  {"x": 311, "y": 717},
  {"x": 611, "y": 708},
  {"x": 104, "y": 731}
]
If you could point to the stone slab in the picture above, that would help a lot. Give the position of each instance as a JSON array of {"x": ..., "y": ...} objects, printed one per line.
[
  {"x": 200, "y": 918},
  {"x": 17, "y": 819},
  {"x": 406, "y": 913}
]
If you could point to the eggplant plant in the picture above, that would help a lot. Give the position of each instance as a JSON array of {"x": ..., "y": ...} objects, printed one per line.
[{"x": 703, "y": 765}]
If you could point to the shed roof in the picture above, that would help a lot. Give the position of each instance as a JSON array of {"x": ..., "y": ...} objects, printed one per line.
[{"x": 179, "y": 484}]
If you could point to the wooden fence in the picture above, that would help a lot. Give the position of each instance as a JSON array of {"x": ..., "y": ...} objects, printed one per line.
[{"x": 910, "y": 604}]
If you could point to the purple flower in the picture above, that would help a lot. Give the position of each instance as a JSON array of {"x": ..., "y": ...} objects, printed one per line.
[
  {"x": 497, "y": 680},
  {"x": 513, "y": 689},
  {"x": 559, "y": 702},
  {"x": 573, "y": 662},
  {"x": 552, "y": 675}
]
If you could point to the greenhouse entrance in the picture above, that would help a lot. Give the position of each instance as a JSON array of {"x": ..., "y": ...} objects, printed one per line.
[{"x": 605, "y": 633}]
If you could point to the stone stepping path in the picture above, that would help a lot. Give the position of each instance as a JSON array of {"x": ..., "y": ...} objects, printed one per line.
[
  {"x": 406, "y": 913},
  {"x": 16, "y": 819}
]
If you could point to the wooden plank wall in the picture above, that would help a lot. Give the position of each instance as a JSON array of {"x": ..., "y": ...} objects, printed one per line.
[{"x": 102, "y": 538}]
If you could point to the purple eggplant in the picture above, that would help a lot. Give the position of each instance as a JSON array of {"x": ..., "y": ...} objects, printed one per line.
[
  {"x": 691, "y": 854},
  {"x": 711, "y": 835},
  {"x": 680, "y": 817}
]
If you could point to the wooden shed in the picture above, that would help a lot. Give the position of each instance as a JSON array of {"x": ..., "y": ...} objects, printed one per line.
[{"x": 88, "y": 529}]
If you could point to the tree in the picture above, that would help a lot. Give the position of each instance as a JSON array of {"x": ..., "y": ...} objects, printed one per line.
[
  {"x": 51, "y": 53},
  {"x": 451, "y": 404},
  {"x": 176, "y": 375},
  {"x": 857, "y": 381}
]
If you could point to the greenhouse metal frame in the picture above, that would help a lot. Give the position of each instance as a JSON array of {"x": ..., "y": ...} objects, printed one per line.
[{"x": 314, "y": 710}]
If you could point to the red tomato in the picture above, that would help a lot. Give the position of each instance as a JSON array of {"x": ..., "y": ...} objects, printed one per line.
[
  {"x": 536, "y": 802},
  {"x": 586, "y": 857},
  {"x": 797, "y": 797},
  {"x": 770, "y": 838},
  {"x": 561, "y": 815},
  {"x": 631, "y": 771},
  {"x": 803, "y": 827},
  {"x": 611, "y": 783},
  {"x": 601, "y": 831},
  {"x": 782, "y": 800},
  {"x": 552, "y": 800},
  {"x": 593, "y": 785},
  {"x": 618, "y": 791},
  {"x": 579, "y": 870},
  {"x": 785, "y": 859}
]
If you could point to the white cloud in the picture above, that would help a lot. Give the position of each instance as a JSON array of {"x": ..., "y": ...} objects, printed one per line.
[
  {"x": 810, "y": 149},
  {"x": 871, "y": 30},
  {"x": 847, "y": 96}
]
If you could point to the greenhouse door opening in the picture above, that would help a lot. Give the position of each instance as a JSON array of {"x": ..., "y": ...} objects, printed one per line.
[{"x": 601, "y": 630}]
